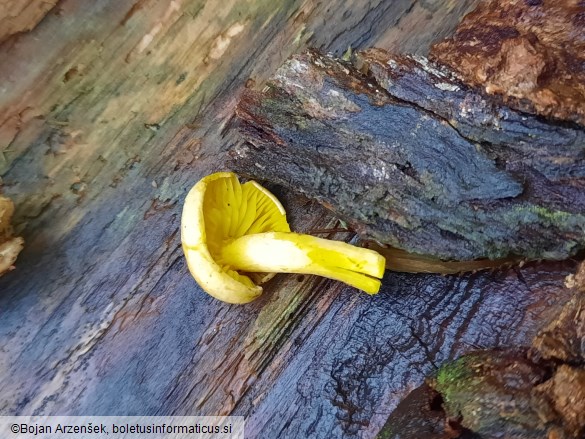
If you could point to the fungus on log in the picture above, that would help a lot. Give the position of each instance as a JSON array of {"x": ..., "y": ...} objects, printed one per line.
[{"x": 413, "y": 157}]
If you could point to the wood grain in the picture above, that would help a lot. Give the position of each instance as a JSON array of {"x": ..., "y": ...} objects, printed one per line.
[{"x": 110, "y": 112}]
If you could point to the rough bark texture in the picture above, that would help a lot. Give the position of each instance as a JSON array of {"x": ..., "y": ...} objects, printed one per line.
[
  {"x": 564, "y": 338},
  {"x": 10, "y": 246},
  {"x": 490, "y": 393},
  {"x": 420, "y": 415},
  {"x": 413, "y": 158},
  {"x": 22, "y": 15},
  {"x": 534, "y": 392},
  {"x": 111, "y": 111},
  {"x": 529, "y": 52}
]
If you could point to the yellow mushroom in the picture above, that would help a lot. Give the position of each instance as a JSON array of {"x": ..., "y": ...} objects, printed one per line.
[{"x": 235, "y": 236}]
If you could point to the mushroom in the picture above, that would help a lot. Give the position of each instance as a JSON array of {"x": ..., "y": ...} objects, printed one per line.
[{"x": 235, "y": 236}]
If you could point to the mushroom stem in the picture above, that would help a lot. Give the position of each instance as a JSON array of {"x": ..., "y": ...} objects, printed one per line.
[{"x": 283, "y": 252}]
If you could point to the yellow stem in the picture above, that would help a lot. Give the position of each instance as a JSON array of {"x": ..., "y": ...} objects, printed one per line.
[{"x": 282, "y": 252}]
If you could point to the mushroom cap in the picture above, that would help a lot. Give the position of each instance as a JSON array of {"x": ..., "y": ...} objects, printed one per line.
[{"x": 217, "y": 210}]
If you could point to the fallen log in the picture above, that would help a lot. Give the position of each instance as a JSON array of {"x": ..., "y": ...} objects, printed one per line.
[
  {"x": 528, "y": 392},
  {"x": 412, "y": 157},
  {"x": 479, "y": 153}
]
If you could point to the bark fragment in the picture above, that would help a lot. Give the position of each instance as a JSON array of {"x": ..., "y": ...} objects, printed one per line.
[
  {"x": 411, "y": 157},
  {"x": 530, "y": 392},
  {"x": 21, "y": 16},
  {"x": 10, "y": 246},
  {"x": 531, "y": 53},
  {"x": 490, "y": 393}
]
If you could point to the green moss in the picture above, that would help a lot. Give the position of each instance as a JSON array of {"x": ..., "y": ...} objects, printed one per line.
[
  {"x": 386, "y": 432},
  {"x": 543, "y": 214},
  {"x": 347, "y": 55},
  {"x": 455, "y": 377},
  {"x": 453, "y": 373}
]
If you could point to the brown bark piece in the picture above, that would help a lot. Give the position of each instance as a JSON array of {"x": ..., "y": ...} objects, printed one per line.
[
  {"x": 10, "y": 246},
  {"x": 22, "y": 15},
  {"x": 412, "y": 158},
  {"x": 536, "y": 392},
  {"x": 419, "y": 415},
  {"x": 530, "y": 52},
  {"x": 490, "y": 393},
  {"x": 565, "y": 392},
  {"x": 563, "y": 339}
]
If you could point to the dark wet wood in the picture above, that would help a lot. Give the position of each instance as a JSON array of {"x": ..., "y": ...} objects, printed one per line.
[
  {"x": 114, "y": 109},
  {"x": 413, "y": 158},
  {"x": 531, "y": 391}
]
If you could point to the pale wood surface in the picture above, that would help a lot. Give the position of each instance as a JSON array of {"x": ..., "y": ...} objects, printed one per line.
[
  {"x": 109, "y": 112},
  {"x": 22, "y": 15}
]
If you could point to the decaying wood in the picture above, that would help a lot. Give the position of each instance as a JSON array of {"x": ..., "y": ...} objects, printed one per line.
[
  {"x": 413, "y": 158},
  {"x": 563, "y": 339},
  {"x": 530, "y": 53},
  {"x": 109, "y": 112},
  {"x": 526, "y": 392},
  {"x": 355, "y": 375},
  {"x": 10, "y": 246},
  {"x": 22, "y": 15},
  {"x": 405, "y": 262}
]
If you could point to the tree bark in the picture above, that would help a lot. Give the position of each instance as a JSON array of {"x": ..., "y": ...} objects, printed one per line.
[
  {"x": 21, "y": 15},
  {"x": 10, "y": 246},
  {"x": 413, "y": 158},
  {"x": 525, "y": 392},
  {"x": 530, "y": 54}
]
